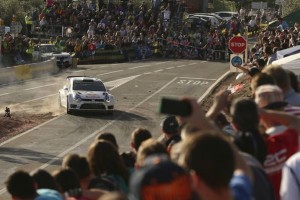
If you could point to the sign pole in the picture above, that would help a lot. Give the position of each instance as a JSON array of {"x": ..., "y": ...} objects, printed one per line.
[{"x": 246, "y": 51}]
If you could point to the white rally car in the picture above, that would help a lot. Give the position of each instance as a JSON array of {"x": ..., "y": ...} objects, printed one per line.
[
  {"x": 82, "y": 93},
  {"x": 47, "y": 51}
]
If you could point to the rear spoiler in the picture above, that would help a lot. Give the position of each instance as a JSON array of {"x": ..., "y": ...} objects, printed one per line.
[{"x": 78, "y": 76}]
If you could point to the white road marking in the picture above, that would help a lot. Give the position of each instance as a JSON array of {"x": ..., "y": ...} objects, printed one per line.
[
  {"x": 110, "y": 72},
  {"x": 116, "y": 83},
  {"x": 192, "y": 63},
  {"x": 140, "y": 66},
  {"x": 146, "y": 73},
  {"x": 160, "y": 70},
  {"x": 159, "y": 63},
  {"x": 199, "y": 78},
  {"x": 39, "y": 87},
  {"x": 4, "y": 94},
  {"x": 170, "y": 68},
  {"x": 181, "y": 66}
]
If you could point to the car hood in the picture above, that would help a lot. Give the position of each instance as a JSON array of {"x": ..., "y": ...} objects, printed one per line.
[
  {"x": 61, "y": 54},
  {"x": 91, "y": 94},
  {"x": 55, "y": 54}
]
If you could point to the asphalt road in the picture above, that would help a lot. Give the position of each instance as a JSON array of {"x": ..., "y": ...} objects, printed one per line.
[{"x": 137, "y": 88}]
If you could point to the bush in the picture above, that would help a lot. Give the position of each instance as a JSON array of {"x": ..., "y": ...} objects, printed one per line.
[
  {"x": 18, "y": 8},
  {"x": 290, "y": 6}
]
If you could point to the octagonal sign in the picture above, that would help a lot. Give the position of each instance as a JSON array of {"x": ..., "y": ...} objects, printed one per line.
[{"x": 237, "y": 44}]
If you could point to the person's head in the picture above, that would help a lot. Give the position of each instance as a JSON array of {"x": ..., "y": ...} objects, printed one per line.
[
  {"x": 44, "y": 180},
  {"x": 269, "y": 97},
  {"x": 20, "y": 185},
  {"x": 170, "y": 125},
  {"x": 253, "y": 71},
  {"x": 148, "y": 148},
  {"x": 244, "y": 114},
  {"x": 66, "y": 179},
  {"x": 108, "y": 137},
  {"x": 268, "y": 50},
  {"x": 280, "y": 75},
  {"x": 260, "y": 63},
  {"x": 261, "y": 79},
  {"x": 138, "y": 136},
  {"x": 159, "y": 178},
  {"x": 210, "y": 159},
  {"x": 80, "y": 166},
  {"x": 103, "y": 157}
]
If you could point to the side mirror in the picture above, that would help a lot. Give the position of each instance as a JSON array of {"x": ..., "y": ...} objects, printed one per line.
[{"x": 66, "y": 88}]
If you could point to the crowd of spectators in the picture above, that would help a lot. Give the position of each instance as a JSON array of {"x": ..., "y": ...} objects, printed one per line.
[
  {"x": 245, "y": 148},
  {"x": 162, "y": 28}
]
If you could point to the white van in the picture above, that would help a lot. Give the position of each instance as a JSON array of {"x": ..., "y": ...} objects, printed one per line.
[
  {"x": 227, "y": 15},
  {"x": 214, "y": 21}
]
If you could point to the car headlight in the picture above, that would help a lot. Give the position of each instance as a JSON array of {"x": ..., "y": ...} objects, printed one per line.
[
  {"x": 76, "y": 97},
  {"x": 106, "y": 98}
]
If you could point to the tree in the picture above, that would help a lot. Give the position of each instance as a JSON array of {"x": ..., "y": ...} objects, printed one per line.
[
  {"x": 290, "y": 6},
  {"x": 18, "y": 8}
]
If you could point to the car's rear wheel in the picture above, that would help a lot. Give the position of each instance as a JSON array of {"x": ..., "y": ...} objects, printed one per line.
[{"x": 68, "y": 109}]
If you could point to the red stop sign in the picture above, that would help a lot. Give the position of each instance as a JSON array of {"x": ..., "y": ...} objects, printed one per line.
[{"x": 237, "y": 44}]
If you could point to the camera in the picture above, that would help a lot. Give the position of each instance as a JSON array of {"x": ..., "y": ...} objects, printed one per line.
[{"x": 175, "y": 107}]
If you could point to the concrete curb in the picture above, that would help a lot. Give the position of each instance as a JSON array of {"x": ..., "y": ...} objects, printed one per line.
[{"x": 213, "y": 86}]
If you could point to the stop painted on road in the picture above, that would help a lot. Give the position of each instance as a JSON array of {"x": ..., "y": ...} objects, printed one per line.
[{"x": 192, "y": 82}]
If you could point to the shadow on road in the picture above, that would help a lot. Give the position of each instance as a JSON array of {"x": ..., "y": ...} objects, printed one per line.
[
  {"x": 7, "y": 154},
  {"x": 118, "y": 115}
]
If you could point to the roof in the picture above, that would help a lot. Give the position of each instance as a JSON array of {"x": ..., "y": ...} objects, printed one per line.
[{"x": 83, "y": 78}]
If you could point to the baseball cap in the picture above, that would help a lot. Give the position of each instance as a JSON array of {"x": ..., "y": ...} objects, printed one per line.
[
  {"x": 160, "y": 179},
  {"x": 170, "y": 125},
  {"x": 269, "y": 97}
]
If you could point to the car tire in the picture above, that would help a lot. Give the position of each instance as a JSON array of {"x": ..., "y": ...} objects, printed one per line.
[
  {"x": 69, "y": 112},
  {"x": 110, "y": 112}
]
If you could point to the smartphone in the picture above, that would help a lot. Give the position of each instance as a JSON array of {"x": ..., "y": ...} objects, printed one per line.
[{"x": 175, "y": 107}]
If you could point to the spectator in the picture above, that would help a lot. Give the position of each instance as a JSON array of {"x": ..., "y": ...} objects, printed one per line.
[
  {"x": 69, "y": 185},
  {"x": 148, "y": 148},
  {"x": 80, "y": 166},
  {"x": 170, "y": 129},
  {"x": 108, "y": 167},
  {"x": 44, "y": 180},
  {"x": 107, "y": 136},
  {"x": 282, "y": 141},
  {"x": 159, "y": 178},
  {"x": 248, "y": 138},
  {"x": 271, "y": 97},
  {"x": 138, "y": 136},
  {"x": 290, "y": 182},
  {"x": 206, "y": 154},
  {"x": 283, "y": 81},
  {"x": 20, "y": 185}
]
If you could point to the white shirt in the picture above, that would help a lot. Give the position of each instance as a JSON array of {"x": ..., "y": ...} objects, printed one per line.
[
  {"x": 167, "y": 14},
  {"x": 289, "y": 188},
  {"x": 252, "y": 23}
]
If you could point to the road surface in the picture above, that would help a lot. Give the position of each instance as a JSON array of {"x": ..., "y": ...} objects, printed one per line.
[{"x": 137, "y": 88}]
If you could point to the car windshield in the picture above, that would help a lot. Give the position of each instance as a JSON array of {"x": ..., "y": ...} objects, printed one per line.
[
  {"x": 88, "y": 86},
  {"x": 48, "y": 49}
]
